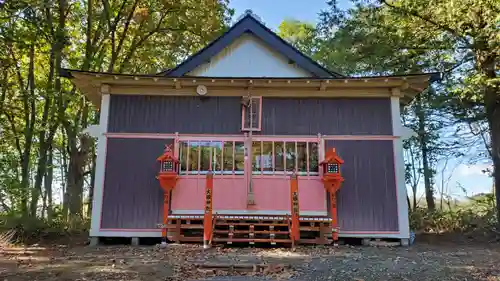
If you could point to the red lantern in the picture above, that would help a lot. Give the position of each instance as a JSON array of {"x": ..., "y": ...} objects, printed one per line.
[{"x": 332, "y": 179}]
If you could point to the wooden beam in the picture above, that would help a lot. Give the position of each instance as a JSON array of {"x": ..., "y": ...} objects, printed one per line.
[
  {"x": 242, "y": 91},
  {"x": 322, "y": 86}
]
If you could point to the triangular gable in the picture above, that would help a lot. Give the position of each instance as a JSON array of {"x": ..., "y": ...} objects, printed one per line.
[
  {"x": 248, "y": 56},
  {"x": 248, "y": 24}
]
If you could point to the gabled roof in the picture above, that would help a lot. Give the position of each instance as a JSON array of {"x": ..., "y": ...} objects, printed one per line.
[
  {"x": 249, "y": 24},
  {"x": 332, "y": 157},
  {"x": 168, "y": 154}
]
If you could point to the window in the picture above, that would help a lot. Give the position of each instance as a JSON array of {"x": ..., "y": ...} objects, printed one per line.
[
  {"x": 268, "y": 157},
  {"x": 278, "y": 157},
  {"x": 222, "y": 157},
  {"x": 252, "y": 114}
]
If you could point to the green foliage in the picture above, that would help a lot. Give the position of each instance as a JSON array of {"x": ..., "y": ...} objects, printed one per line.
[
  {"x": 476, "y": 214},
  {"x": 28, "y": 229},
  {"x": 302, "y": 35},
  {"x": 44, "y": 157}
]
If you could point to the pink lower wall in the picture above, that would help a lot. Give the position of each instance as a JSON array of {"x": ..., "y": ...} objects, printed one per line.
[{"x": 230, "y": 193}]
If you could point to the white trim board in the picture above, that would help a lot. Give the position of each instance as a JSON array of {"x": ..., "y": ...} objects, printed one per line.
[
  {"x": 95, "y": 222},
  {"x": 399, "y": 169},
  {"x": 157, "y": 234},
  {"x": 247, "y": 212}
]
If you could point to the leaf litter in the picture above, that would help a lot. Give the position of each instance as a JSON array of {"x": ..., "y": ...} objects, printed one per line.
[{"x": 183, "y": 262}]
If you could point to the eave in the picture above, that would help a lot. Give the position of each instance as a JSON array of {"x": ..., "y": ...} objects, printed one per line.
[{"x": 406, "y": 87}]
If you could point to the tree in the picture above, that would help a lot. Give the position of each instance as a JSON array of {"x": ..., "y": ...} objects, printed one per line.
[
  {"x": 42, "y": 116},
  {"x": 459, "y": 39}
]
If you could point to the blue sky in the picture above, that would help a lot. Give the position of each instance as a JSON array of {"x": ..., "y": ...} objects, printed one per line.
[{"x": 272, "y": 12}]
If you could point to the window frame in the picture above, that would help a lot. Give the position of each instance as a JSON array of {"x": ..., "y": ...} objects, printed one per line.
[
  {"x": 235, "y": 147},
  {"x": 185, "y": 167},
  {"x": 258, "y": 126},
  {"x": 260, "y": 171}
]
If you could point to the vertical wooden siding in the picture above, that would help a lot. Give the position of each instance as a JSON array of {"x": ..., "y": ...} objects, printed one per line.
[
  {"x": 367, "y": 199},
  {"x": 222, "y": 115},
  {"x": 186, "y": 115},
  {"x": 133, "y": 198},
  {"x": 339, "y": 116}
]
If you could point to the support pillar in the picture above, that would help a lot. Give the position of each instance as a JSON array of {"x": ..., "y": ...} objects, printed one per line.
[
  {"x": 333, "y": 212},
  {"x": 294, "y": 196},
  {"x": 166, "y": 204},
  {"x": 207, "y": 219}
]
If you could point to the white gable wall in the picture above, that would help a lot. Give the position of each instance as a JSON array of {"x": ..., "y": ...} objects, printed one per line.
[{"x": 248, "y": 56}]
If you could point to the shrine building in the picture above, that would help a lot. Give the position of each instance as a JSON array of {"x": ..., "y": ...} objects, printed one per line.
[{"x": 249, "y": 140}]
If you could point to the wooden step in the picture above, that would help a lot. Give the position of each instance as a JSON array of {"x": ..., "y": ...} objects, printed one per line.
[
  {"x": 248, "y": 231},
  {"x": 257, "y": 240},
  {"x": 185, "y": 226},
  {"x": 186, "y": 239},
  {"x": 250, "y": 223}
]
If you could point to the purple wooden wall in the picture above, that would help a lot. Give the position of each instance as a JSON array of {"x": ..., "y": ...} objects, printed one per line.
[
  {"x": 132, "y": 196},
  {"x": 222, "y": 115},
  {"x": 367, "y": 200},
  {"x": 340, "y": 116}
]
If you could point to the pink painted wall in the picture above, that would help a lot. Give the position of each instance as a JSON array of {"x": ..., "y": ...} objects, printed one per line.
[
  {"x": 230, "y": 193},
  {"x": 273, "y": 193}
]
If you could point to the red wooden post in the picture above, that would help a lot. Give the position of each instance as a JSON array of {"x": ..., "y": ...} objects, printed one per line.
[
  {"x": 333, "y": 210},
  {"x": 332, "y": 180},
  {"x": 169, "y": 169},
  {"x": 294, "y": 196},
  {"x": 207, "y": 219},
  {"x": 166, "y": 204}
]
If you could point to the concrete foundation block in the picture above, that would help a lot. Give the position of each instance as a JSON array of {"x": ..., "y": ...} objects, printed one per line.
[
  {"x": 135, "y": 241},
  {"x": 93, "y": 241}
]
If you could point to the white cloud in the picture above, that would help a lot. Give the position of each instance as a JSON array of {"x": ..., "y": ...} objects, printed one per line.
[{"x": 472, "y": 170}]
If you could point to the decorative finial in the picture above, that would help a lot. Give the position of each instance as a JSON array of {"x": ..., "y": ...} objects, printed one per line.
[
  {"x": 168, "y": 148},
  {"x": 249, "y": 12}
]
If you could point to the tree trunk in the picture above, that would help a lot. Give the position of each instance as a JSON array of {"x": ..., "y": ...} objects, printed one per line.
[
  {"x": 492, "y": 101},
  {"x": 429, "y": 192},
  {"x": 48, "y": 185},
  {"x": 64, "y": 182},
  {"x": 29, "y": 118},
  {"x": 78, "y": 160},
  {"x": 40, "y": 173}
]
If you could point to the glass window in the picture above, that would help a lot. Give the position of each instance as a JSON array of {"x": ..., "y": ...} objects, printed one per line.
[
  {"x": 205, "y": 155},
  {"x": 313, "y": 158},
  {"x": 216, "y": 156},
  {"x": 279, "y": 165},
  {"x": 239, "y": 157},
  {"x": 290, "y": 156},
  {"x": 267, "y": 156},
  {"x": 228, "y": 156},
  {"x": 183, "y": 156},
  {"x": 302, "y": 157},
  {"x": 251, "y": 116},
  {"x": 193, "y": 157},
  {"x": 256, "y": 156}
]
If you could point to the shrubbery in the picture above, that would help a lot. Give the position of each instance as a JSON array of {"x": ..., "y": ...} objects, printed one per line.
[
  {"x": 31, "y": 229},
  {"x": 475, "y": 214}
]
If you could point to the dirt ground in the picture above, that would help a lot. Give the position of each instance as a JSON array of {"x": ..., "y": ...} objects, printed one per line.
[{"x": 423, "y": 261}]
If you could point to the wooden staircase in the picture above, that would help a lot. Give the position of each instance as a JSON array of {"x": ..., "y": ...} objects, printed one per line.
[
  {"x": 212, "y": 228},
  {"x": 249, "y": 229},
  {"x": 252, "y": 229}
]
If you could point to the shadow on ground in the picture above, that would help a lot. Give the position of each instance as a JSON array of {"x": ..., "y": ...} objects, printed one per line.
[{"x": 424, "y": 261}]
